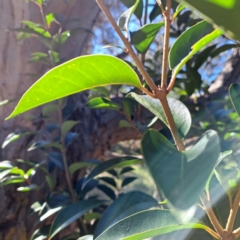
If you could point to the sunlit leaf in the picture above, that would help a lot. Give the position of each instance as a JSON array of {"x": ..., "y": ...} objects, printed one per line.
[
  {"x": 176, "y": 173},
  {"x": 142, "y": 38},
  {"x": 181, "y": 114},
  {"x": 103, "y": 102},
  {"x": 139, "y": 9},
  {"x": 73, "y": 76},
  {"x": 71, "y": 213}
]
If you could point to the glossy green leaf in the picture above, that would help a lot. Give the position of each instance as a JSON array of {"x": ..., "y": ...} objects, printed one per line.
[
  {"x": 71, "y": 213},
  {"x": 102, "y": 102},
  {"x": 6, "y": 165},
  {"x": 15, "y": 136},
  {"x": 87, "y": 237},
  {"x": 124, "y": 206},
  {"x": 79, "y": 165},
  {"x": 138, "y": 11},
  {"x": 108, "y": 180},
  {"x": 223, "y": 13},
  {"x": 181, "y": 114},
  {"x": 234, "y": 92},
  {"x": 176, "y": 173},
  {"x": 110, "y": 164},
  {"x": 142, "y": 38},
  {"x": 197, "y": 47},
  {"x": 67, "y": 126},
  {"x": 147, "y": 224},
  {"x": 74, "y": 76},
  {"x": 180, "y": 8},
  {"x": 221, "y": 49},
  {"x": 183, "y": 45},
  {"x": 124, "y": 19},
  {"x": 11, "y": 180},
  {"x": 27, "y": 188},
  {"x": 48, "y": 211}
]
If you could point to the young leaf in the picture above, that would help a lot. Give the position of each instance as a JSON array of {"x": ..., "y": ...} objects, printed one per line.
[
  {"x": 124, "y": 206},
  {"x": 138, "y": 11},
  {"x": 73, "y": 76},
  {"x": 67, "y": 126},
  {"x": 181, "y": 114},
  {"x": 183, "y": 45},
  {"x": 224, "y": 13},
  {"x": 147, "y": 224},
  {"x": 125, "y": 17},
  {"x": 110, "y": 164},
  {"x": 176, "y": 173},
  {"x": 102, "y": 102},
  {"x": 79, "y": 165},
  {"x": 234, "y": 92},
  {"x": 142, "y": 38},
  {"x": 71, "y": 213}
]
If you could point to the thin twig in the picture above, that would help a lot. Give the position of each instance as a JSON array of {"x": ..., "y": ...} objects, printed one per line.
[
  {"x": 167, "y": 17},
  {"x": 128, "y": 46},
  {"x": 236, "y": 233},
  {"x": 159, "y": 2},
  {"x": 213, "y": 219},
  {"x": 171, "y": 84},
  {"x": 233, "y": 212}
]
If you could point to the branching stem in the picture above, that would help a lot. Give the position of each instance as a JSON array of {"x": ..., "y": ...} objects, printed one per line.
[{"x": 128, "y": 46}]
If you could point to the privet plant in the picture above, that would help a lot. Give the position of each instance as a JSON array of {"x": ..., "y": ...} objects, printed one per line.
[{"x": 184, "y": 178}]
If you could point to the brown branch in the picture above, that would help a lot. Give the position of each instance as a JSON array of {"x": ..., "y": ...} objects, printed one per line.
[
  {"x": 213, "y": 219},
  {"x": 128, "y": 46},
  {"x": 233, "y": 212},
  {"x": 166, "y": 44}
]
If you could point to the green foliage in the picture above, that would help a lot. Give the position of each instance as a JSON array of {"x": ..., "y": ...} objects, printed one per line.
[{"x": 181, "y": 176}]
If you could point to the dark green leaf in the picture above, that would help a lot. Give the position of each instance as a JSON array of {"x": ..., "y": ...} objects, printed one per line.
[
  {"x": 88, "y": 217},
  {"x": 69, "y": 78},
  {"x": 142, "y": 38},
  {"x": 41, "y": 234},
  {"x": 183, "y": 45},
  {"x": 221, "y": 49},
  {"x": 176, "y": 173},
  {"x": 146, "y": 224},
  {"x": 234, "y": 92},
  {"x": 48, "y": 211},
  {"x": 79, "y": 165},
  {"x": 127, "y": 107},
  {"x": 181, "y": 114},
  {"x": 51, "y": 181},
  {"x": 127, "y": 181},
  {"x": 103, "y": 102},
  {"x": 139, "y": 9},
  {"x": 223, "y": 13},
  {"x": 71, "y": 213},
  {"x": 126, "y": 170},
  {"x": 67, "y": 126},
  {"x": 180, "y": 8},
  {"x": 108, "y": 191},
  {"x": 110, "y": 164},
  {"x": 108, "y": 180},
  {"x": 124, "y": 123},
  {"x": 124, "y": 206}
]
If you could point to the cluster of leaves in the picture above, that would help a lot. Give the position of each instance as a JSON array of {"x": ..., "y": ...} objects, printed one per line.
[{"x": 181, "y": 177}]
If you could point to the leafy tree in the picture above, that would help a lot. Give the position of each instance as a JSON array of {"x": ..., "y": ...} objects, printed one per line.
[{"x": 186, "y": 179}]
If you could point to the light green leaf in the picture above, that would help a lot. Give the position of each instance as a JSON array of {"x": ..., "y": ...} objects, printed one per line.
[
  {"x": 124, "y": 206},
  {"x": 67, "y": 126},
  {"x": 223, "y": 13},
  {"x": 124, "y": 123},
  {"x": 11, "y": 180},
  {"x": 79, "y": 165},
  {"x": 176, "y": 173},
  {"x": 234, "y": 92},
  {"x": 15, "y": 136},
  {"x": 183, "y": 45},
  {"x": 71, "y": 213},
  {"x": 142, "y": 38},
  {"x": 181, "y": 114},
  {"x": 180, "y": 8},
  {"x": 147, "y": 224},
  {"x": 88, "y": 217},
  {"x": 124, "y": 19},
  {"x": 103, "y": 102},
  {"x": 50, "y": 18},
  {"x": 139, "y": 9},
  {"x": 49, "y": 109},
  {"x": 51, "y": 181},
  {"x": 110, "y": 164},
  {"x": 27, "y": 188},
  {"x": 77, "y": 75}
]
